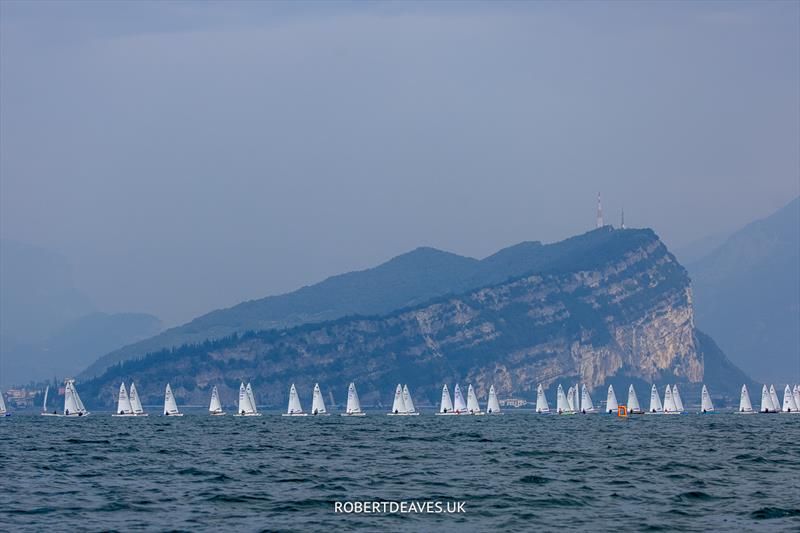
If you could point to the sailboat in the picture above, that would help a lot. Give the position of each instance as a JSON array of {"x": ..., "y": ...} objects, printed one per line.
[
  {"x": 44, "y": 404},
  {"x": 587, "y": 406},
  {"x": 562, "y": 405},
  {"x": 789, "y": 405},
  {"x": 541, "y": 401},
  {"x": 136, "y": 404},
  {"x": 796, "y": 394},
  {"x": 473, "y": 407},
  {"x": 669, "y": 402},
  {"x": 676, "y": 397},
  {"x": 655, "y": 402},
  {"x": 633, "y": 402},
  {"x": 612, "y": 406},
  {"x": 705, "y": 401},
  {"x": 294, "y": 408},
  {"x": 398, "y": 405},
  {"x": 318, "y": 403},
  {"x": 73, "y": 406},
  {"x": 459, "y": 405},
  {"x": 408, "y": 402},
  {"x": 745, "y": 407},
  {"x": 247, "y": 405},
  {"x": 215, "y": 406},
  {"x": 3, "y": 410},
  {"x": 571, "y": 403},
  {"x": 766, "y": 401},
  {"x": 353, "y": 403},
  {"x": 493, "y": 407},
  {"x": 773, "y": 396},
  {"x": 170, "y": 407},
  {"x": 446, "y": 407},
  {"x": 123, "y": 403}
]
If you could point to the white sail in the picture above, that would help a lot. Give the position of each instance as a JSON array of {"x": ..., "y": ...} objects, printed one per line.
[
  {"x": 215, "y": 406},
  {"x": 44, "y": 403},
  {"x": 587, "y": 406},
  {"x": 633, "y": 401},
  {"x": 408, "y": 402},
  {"x": 459, "y": 404},
  {"x": 705, "y": 401},
  {"x": 789, "y": 405},
  {"x": 676, "y": 397},
  {"x": 611, "y": 401},
  {"x": 3, "y": 410},
  {"x": 766, "y": 401},
  {"x": 398, "y": 406},
  {"x": 447, "y": 404},
  {"x": 170, "y": 407},
  {"x": 294, "y": 402},
  {"x": 353, "y": 403},
  {"x": 252, "y": 399},
  {"x": 245, "y": 404},
  {"x": 669, "y": 402},
  {"x": 136, "y": 404},
  {"x": 571, "y": 407},
  {"x": 562, "y": 405},
  {"x": 317, "y": 402},
  {"x": 472, "y": 401},
  {"x": 541, "y": 400},
  {"x": 655, "y": 401},
  {"x": 796, "y": 394},
  {"x": 123, "y": 402},
  {"x": 73, "y": 406},
  {"x": 773, "y": 396},
  {"x": 744, "y": 401},
  {"x": 493, "y": 407}
]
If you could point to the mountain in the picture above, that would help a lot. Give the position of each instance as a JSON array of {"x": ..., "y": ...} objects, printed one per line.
[
  {"x": 48, "y": 327},
  {"x": 605, "y": 305},
  {"x": 747, "y": 296}
]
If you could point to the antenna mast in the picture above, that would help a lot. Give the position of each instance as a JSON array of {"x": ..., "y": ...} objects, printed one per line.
[{"x": 599, "y": 212}]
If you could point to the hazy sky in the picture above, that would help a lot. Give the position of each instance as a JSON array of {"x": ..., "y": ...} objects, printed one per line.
[{"x": 186, "y": 156}]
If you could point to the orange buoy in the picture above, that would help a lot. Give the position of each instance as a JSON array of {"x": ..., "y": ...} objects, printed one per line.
[{"x": 622, "y": 411}]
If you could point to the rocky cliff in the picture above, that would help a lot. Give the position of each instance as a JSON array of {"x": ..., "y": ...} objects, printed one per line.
[{"x": 621, "y": 310}]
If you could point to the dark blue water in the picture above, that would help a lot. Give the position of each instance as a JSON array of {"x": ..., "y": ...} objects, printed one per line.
[{"x": 514, "y": 472}]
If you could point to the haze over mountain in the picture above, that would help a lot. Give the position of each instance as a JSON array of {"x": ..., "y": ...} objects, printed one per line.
[
  {"x": 48, "y": 327},
  {"x": 747, "y": 296},
  {"x": 406, "y": 280},
  {"x": 606, "y": 306}
]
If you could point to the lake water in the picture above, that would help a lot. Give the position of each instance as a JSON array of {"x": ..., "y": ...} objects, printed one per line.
[{"x": 518, "y": 472}]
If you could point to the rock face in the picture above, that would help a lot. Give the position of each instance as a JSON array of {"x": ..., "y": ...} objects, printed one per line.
[{"x": 622, "y": 309}]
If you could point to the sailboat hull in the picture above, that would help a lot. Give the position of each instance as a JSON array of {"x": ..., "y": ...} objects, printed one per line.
[
  {"x": 294, "y": 414},
  {"x": 173, "y": 414},
  {"x": 218, "y": 413},
  {"x": 353, "y": 414},
  {"x": 745, "y": 412},
  {"x": 247, "y": 414},
  {"x": 414, "y": 414},
  {"x": 127, "y": 415}
]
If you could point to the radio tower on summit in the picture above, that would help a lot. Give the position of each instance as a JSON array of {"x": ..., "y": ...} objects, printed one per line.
[{"x": 599, "y": 212}]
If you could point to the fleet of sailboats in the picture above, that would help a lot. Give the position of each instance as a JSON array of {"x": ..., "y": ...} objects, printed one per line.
[{"x": 571, "y": 402}]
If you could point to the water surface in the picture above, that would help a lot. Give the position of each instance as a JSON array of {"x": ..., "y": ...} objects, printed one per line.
[{"x": 514, "y": 472}]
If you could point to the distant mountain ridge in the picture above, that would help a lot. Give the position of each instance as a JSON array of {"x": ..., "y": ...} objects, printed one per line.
[
  {"x": 603, "y": 307},
  {"x": 747, "y": 295},
  {"x": 406, "y": 280}
]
